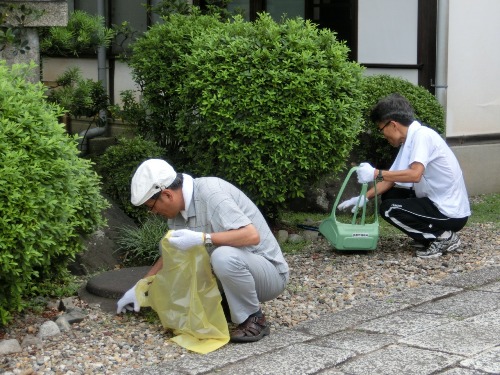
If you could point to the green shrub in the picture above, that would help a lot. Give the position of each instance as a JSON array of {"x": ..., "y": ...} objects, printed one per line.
[
  {"x": 117, "y": 166},
  {"x": 140, "y": 246},
  {"x": 83, "y": 35},
  {"x": 79, "y": 96},
  {"x": 268, "y": 106},
  {"x": 373, "y": 147},
  {"x": 48, "y": 196}
]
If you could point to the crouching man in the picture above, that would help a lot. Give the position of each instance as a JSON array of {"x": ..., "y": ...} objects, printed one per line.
[{"x": 245, "y": 256}]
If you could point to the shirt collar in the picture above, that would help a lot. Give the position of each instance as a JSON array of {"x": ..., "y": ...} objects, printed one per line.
[{"x": 187, "y": 193}]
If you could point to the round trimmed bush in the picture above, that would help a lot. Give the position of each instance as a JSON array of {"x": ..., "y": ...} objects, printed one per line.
[
  {"x": 49, "y": 197},
  {"x": 268, "y": 106}
]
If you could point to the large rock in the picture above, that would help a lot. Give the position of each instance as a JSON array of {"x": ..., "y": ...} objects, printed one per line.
[
  {"x": 101, "y": 251},
  {"x": 48, "y": 329},
  {"x": 9, "y": 347}
]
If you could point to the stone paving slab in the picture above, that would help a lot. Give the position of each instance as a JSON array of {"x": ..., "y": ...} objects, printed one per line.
[
  {"x": 488, "y": 361},
  {"x": 474, "y": 278},
  {"x": 461, "y": 371},
  {"x": 237, "y": 352},
  {"x": 463, "y": 305},
  {"x": 356, "y": 341},
  {"x": 417, "y": 296},
  {"x": 332, "y": 371},
  {"x": 193, "y": 363},
  {"x": 467, "y": 337},
  {"x": 494, "y": 287},
  {"x": 293, "y": 360},
  {"x": 405, "y": 323},
  {"x": 398, "y": 360},
  {"x": 344, "y": 319}
]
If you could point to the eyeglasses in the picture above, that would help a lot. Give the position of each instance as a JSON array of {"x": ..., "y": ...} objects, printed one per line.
[
  {"x": 156, "y": 196},
  {"x": 381, "y": 130}
]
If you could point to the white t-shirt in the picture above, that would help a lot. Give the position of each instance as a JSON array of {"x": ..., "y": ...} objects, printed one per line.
[{"x": 442, "y": 181}]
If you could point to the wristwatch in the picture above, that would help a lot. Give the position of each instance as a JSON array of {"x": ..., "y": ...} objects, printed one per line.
[
  {"x": 379, "y": 176},
  {"x": 208, "y": 239}
]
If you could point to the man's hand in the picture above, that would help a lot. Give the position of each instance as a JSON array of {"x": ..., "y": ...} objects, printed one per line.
[
  {"x": 128, "y": 299},
  {"x": 184, "y": 239},
  {"x": 366, "y": 173},
  {"x": 352, "y": 202}
]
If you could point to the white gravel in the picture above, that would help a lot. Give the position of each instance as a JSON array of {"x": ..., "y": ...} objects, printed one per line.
[{"x": 322, "y": 281}]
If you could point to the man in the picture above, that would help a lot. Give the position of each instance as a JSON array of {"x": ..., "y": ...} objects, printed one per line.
[
  {"x": 423, "y": 193},
  {"x": 245, "y": 256}
]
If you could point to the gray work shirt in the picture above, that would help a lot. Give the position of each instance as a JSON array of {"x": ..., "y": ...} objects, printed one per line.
[{"x": 219, "y": 206}]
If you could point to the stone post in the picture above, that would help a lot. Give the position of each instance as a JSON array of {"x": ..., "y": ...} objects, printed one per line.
[{"x": 52, "y": 13}]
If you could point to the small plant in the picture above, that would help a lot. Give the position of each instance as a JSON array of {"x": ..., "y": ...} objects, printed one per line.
[
  {"x": 132, "y": 112},
  {"x": 64, "y": 286},
  {"x": 140, "y": 246},
  {"x": 79, "y": 96},
  {"x": 83, "y": 35},
  {"x": 124, "y": 36}
]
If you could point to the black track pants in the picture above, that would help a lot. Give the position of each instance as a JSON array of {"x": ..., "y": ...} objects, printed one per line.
[{"x": 417, "y": 217}]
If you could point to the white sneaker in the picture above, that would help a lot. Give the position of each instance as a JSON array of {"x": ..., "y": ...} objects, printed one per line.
[{"x": 440, "y": 247}]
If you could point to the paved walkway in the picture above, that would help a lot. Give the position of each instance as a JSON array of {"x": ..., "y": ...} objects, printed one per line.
[{"x": 452, "y": 328}]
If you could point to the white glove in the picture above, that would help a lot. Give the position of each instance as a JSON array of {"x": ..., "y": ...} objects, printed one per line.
[
  {"x": 184, "y": 239},
  {"x": 128, "y": 299},
  {"x": 366, "y": 173},
  {"x": 352, "y": 202}
]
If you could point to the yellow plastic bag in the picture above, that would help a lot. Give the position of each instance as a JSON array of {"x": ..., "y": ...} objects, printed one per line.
[{"x": 185, "y": 296}]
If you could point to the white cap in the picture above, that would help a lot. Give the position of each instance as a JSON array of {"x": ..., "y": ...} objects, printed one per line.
[{"x": 152, "y": 176}]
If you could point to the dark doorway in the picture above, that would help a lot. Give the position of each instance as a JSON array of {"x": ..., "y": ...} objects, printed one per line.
[{"x": 337, "y": 15}]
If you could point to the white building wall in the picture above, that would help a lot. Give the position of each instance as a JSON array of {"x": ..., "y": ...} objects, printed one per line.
[
  {"x": 53, "y": 67},
  {"x": 473, "y": 95}
]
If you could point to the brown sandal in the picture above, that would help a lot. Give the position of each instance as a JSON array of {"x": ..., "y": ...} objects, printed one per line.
[{"x": 251, "y": 330}]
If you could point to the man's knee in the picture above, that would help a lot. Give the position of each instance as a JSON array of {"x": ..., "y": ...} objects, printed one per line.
[{"x": 225, "y": 261}]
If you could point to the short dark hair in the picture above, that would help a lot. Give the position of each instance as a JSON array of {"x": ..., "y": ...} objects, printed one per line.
[
  {"x": 177, "y": 183},
  {"x": 393, "y": 107}
]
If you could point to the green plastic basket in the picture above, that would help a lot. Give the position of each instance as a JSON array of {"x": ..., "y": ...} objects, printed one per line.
[{"x": 356, "y": 235}]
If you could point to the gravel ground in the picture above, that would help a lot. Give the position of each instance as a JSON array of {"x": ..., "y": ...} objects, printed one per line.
[{"x": 322, "y": 281}]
